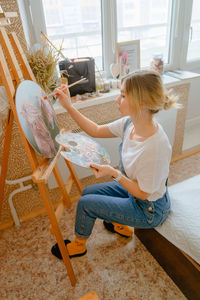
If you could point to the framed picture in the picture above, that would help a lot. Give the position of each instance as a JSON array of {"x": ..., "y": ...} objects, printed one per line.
[{"x": 128, "y": 56}]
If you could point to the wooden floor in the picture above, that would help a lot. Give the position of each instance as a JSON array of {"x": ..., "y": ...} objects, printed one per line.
[{"x": 176, "y": 265}]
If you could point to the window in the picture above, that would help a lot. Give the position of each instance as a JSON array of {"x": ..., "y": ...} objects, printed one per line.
[
  {"x": 92, "y": 28},
  {"x": 76, "y": 25},
  {"x": 148, "y": 21},
  {"x": 194, "y": 41}
]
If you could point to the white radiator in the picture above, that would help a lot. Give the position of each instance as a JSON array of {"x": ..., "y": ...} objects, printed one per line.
[{"x": 166, "y": 118}]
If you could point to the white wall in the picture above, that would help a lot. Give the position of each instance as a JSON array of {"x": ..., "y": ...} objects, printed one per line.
[{"x": 193, "y": 108}]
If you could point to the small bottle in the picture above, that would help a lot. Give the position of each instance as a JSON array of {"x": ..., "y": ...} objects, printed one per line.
[
  {"x": 99, "y": 84},
  {"x": 157, "y": 63}
]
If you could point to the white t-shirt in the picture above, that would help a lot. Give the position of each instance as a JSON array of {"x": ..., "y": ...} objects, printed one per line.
[{"x": 147, "y": 161}]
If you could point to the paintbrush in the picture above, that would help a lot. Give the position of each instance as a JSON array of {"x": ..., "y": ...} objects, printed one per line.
[
  {"x": 68, "y": 86},
  {"x": 59, "y": 51}
]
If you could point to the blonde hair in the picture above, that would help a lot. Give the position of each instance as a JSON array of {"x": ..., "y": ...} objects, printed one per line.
[{"x": 146, "y": 88}]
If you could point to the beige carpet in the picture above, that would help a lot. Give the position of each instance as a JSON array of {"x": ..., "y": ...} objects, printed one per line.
[{"x": 114, "y": 267}]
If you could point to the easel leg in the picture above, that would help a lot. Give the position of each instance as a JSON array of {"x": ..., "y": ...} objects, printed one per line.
[
  {"x": 75, "y": 177},
  {"x": 6, "y": 150},
  {"x": 56, "y": 230},
  {"x": 66, "y": 198}
]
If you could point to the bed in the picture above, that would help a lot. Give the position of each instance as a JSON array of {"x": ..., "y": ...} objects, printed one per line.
[{"x": 176, "y": 243}]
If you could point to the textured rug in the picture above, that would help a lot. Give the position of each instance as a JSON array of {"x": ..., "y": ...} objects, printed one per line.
[{"x": 114, "y": 267}]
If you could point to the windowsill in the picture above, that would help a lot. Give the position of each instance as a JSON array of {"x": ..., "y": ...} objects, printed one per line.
[
  {"x": 168, "y": 81},
  {"x": 104, "y": 98}
]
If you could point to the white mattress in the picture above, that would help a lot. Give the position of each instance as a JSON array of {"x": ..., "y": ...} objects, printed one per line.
[{"x": 182, "y": 227}]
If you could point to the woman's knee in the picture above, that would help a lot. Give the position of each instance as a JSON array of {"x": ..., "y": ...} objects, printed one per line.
[
  {"x": 84, "y": 201},
  {"x": 85, "y": 191},
  {"x": 91, "y": 189}
]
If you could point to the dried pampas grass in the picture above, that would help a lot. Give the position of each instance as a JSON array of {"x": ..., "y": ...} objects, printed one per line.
[{"x": 43, "y": 62}]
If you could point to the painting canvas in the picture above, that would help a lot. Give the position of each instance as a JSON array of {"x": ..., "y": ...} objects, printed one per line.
[
  {"x": 82, "y": 150},
  {"x": 37, "y": 118}
]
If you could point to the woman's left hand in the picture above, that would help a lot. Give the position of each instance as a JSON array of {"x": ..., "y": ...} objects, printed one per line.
[{"x": 102, "y": 170}]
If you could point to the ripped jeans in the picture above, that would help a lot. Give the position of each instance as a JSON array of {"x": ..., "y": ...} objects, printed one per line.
[{"x": 111, "y": 202}]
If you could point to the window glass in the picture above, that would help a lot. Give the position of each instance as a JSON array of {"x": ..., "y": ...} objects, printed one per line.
[
  {"x": 77, "y": 24},
  {"x": 148, "y": 21},
  {"x": 194, "y": 42}
]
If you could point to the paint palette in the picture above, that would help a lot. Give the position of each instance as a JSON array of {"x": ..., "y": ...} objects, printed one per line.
[{"x": 82, "y": 150}]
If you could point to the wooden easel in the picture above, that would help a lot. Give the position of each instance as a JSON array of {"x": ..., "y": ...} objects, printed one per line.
[{"x": 13, "y": 70}]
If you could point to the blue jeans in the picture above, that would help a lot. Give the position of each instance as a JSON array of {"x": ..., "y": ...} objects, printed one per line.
[{"x": 111, "y": 202}]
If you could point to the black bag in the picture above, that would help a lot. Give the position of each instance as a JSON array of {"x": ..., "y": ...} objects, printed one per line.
[{"x": 77, "y": 69}]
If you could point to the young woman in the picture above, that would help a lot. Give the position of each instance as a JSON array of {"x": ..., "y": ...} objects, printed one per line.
[{"x": 137, "y": 195}]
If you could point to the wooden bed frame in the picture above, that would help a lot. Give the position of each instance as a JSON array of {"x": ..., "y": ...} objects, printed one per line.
[{"x": 181, "y": 268}]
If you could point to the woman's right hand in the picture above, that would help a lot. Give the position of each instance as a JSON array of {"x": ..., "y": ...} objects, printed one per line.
[{"x": 62, "y": 93}]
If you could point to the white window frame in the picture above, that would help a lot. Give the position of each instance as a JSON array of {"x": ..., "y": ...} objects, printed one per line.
[{"x": 180, "y": 31}]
